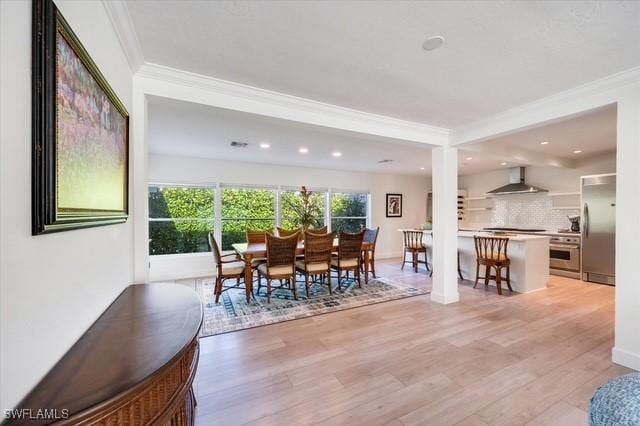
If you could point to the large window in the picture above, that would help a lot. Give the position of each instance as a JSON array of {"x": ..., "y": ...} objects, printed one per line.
[
  {"x": 349, "y": 211},
  {"x": 291, "y": 205},
  {"x": 180, "y": 218},
  {"x": 246, "y": 208}
]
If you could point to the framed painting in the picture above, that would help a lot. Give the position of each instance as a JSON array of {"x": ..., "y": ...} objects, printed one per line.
[
  {"x": 394, "y": 205},
  {"x": 80, "y": 133}
]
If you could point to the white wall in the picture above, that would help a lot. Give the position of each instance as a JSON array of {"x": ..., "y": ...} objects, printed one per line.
[
  {"x": 627, "y": 339},
  {"x": 52, "y": 287},
  {"x": 174, "y": 169},
  {"x": 530, "y": 209}
]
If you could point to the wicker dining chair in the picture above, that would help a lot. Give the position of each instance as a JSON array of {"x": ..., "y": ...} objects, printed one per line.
[
  {"x": 370, "y": 237},
  {"x": 492, "y": 253},
  {"x": 282, "y": 232},
  {"x": 317, "y": 259},
  {"x": 254, "y": 236},
  {"x": 226, "y": 269},
  {"x": 280, "y": 264},
  {"x": 348, "y": 257},
  {"x": 413, "y": 244},
  {"x": 317, "y": 231}
]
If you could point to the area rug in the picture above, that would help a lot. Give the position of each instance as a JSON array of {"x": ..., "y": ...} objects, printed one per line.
[{"x": 233, "y": 313}]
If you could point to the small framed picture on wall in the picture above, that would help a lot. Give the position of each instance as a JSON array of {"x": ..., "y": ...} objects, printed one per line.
[{"x": 394, "y": 205}]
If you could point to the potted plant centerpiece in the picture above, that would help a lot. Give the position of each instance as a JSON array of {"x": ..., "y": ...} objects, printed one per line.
[{"x": 306, "y": 209}]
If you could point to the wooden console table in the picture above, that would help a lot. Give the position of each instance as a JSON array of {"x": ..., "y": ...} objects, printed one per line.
[{"x": 135, "y": 365}]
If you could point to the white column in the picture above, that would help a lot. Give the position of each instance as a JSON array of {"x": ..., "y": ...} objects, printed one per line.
[
  {"x": 445, "y": 224},
  {"x": 138, "y": 181},
  {"x": 627, "y": 342}
]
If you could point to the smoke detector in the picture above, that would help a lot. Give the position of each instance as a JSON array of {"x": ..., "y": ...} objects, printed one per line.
[{"x": 236, "y": 144}]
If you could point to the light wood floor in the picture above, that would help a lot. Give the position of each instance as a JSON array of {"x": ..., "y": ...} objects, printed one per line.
[{"x": 499, "y": 360}]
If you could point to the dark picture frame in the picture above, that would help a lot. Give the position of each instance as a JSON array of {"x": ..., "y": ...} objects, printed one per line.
[
  {"x": 64, "y": 194},
  {"x": 394, "y": 205}
]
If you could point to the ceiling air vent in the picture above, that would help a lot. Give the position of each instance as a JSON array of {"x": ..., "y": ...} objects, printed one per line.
[
  {"x": 239, "y": 144},
  {"x": 385, "y": 161}
]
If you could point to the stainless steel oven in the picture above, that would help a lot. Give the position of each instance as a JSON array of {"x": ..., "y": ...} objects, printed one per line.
[{"x": 564, "y": 256}]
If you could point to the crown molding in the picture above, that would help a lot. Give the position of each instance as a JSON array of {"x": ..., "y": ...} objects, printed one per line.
[
  {"x": 124, "y": 28},
  {"x": 572, "y": 102},
  {"x": 169, "y": 82}
]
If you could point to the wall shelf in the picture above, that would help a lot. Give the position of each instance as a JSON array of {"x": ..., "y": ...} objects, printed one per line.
[
  {"x": 476, "y": 198},
  {"x": 562, "y": 194},
  {"x": 477, "y": 209}
]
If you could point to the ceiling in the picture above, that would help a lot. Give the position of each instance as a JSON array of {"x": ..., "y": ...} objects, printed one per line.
[
  {"x": 194, "y": 130},
  {"x": 367, "y": 55},
  {"x": 592, "y": 133}
]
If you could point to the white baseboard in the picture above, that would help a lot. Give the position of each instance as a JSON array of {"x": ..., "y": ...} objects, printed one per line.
[{"x": 626, "y": 358}]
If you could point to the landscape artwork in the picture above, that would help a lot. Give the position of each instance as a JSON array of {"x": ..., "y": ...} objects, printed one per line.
[
  {"x": 91, "y": 142},
  {"x": 80, "y": 133}
]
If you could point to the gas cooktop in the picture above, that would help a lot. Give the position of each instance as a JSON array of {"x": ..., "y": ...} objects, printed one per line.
[{"x": 515, "y": 229}]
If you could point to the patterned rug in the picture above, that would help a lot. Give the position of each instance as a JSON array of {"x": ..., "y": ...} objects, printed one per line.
[{"x": 233, "y": 313}]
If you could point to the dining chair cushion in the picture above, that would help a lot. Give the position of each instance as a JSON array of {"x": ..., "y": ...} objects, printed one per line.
[
  {"x": 313, "y": 267},
  {"x": 276, "y": 270},
  {"x": 344, "y": 263},
  {"x": 233, "y": 268}
]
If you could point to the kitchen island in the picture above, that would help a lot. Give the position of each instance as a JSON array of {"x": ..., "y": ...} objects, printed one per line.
[{"x": 529, "y": 256}]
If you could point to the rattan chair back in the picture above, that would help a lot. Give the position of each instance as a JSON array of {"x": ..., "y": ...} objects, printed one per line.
[
  {"x": 254, "y": 236},
  {"x": 282, "y": 232},
  {"x": 371, "y": 236},
  {"x": 350, "y": 245},
  {"x": 317, "y": 231},
  {"x": 281, "y": 251},
  {"x": 317, "y": 248},
  {"x": 215, "y": 250}
]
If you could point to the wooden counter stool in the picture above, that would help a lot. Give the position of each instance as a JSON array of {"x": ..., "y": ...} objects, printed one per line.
[
  {"x": 492, "y": 253},
  {"x": 413, "y": 244}
]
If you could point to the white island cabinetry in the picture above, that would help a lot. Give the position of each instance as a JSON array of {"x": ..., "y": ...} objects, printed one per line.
[{"x": 529, "y": 256}]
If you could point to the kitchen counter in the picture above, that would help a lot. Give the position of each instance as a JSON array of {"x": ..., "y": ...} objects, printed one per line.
[
  {"x": 529, "y": 254},
  {"x": 547, "y": 232}
]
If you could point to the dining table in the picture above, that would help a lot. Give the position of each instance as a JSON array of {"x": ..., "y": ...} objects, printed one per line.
[{"x": 251, "y": 251}]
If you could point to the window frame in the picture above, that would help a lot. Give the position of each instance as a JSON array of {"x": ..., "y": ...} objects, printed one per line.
[
  {"x": 218, "y": 187},
  {"x": 216, "y": 197}
]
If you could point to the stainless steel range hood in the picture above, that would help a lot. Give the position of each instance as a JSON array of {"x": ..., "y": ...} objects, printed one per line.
[{"x": 517, "y": 185}]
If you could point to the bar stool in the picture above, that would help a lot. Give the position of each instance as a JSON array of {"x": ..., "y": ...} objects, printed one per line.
[
  {"x": 413, "y": 244},
  {"x": 492, "y": 253}
]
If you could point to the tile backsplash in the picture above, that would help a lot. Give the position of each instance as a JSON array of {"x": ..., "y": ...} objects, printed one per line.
[{"x": 525, "y": 210}]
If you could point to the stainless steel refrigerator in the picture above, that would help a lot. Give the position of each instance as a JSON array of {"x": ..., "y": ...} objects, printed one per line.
[{"x": 599, "y": 228}]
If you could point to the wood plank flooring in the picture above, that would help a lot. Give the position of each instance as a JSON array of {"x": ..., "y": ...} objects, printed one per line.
[{"x": 531, "y": 359}]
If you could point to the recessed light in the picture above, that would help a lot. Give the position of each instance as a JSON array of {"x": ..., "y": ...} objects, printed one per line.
[
  {"x": 421, "y": 168},
  {"x": 503, "y": 164},
  {"x": 336, "y": 154},
  {"x": 303, "y": 150},
  {"x": 469, "y": 158},
  {"x": 265, "y": 145},
  {"x": 544, "y": 143},
  {"x": 432, "y": 43},
  {"x": 577, "y": 151}
]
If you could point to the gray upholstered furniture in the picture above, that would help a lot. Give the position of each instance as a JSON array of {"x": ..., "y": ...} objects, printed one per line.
[{"x": 617, "y": 402}]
